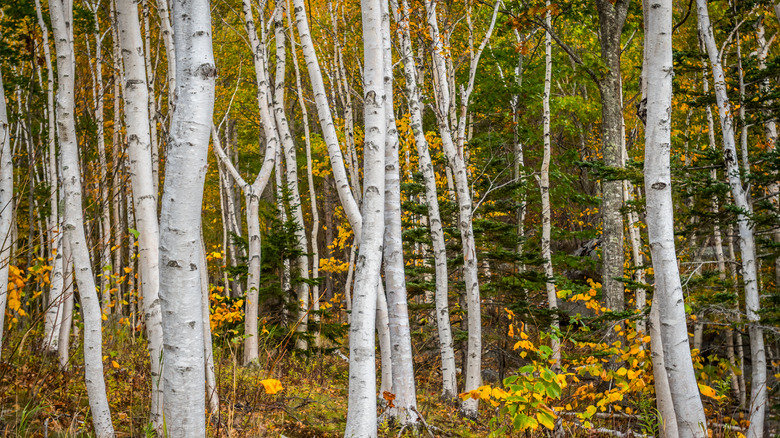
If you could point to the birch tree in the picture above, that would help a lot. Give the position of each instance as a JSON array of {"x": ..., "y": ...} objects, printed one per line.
[
  {"x": 6, "y": 205},
  {"x": 395, "y": 275},
  {"x": 691, "y": 421},
  {"x": 62, "y": 23},
  {"x": 449, "y": 383},
  {"x": 456, "y": 161},
  {"x": 747, "y": 246},
  {"x": 180, "y": 232},
  {"x": 137, "y": 120},
  {"x": 361, "y": 414},
  {"x": 544, "y": 187}
]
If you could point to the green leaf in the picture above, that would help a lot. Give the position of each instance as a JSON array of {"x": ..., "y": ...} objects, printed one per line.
[
  {"x": 134, "y": 232},
  {"x": 524, "y": 422}
]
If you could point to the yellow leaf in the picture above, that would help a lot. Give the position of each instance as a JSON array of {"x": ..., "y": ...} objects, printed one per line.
[
  {"x": 105, "y": 317},
  {"x": 128, "y": 270},
  {"x": 272, "y": 386},
  {"x": 511, "y": 331},
  {"x": 115, "y": 364},
  {"x": 708, "y": 391}
]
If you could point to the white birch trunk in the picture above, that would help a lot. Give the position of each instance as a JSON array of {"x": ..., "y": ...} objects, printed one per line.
[
  {"x": 62, "y": 20},
  {"x": 6, "y": 205},
  {"x": 185, "y": 172},
  {"x": 544, "y": 186},
  {"x": 170, "y": 50},
  {"x": 54, "y": 312},
  {"x": 395, "y": 279},
  {"x": 361, "y": 414},
  {"x": 758, "y": 390},
  {"x": 449, "y": 382},
  {"x": 137, "y": 120},
  {"x": 691, "y": 420}
]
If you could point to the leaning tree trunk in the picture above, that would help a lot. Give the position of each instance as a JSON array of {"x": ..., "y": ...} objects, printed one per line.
[
  {"x": 182, "y": 199},
  {"x": 62, "y": 19},
  {"x": 395, "y": 280},
  {"x": 449, "y": 382},
  {"x": 691, "y": 421},
  {"x": 361, "y": 414},
  {"x": 747, "y": 244},
  {"x": 6, "y": 205},
  {"x": 142, "y": 178}
]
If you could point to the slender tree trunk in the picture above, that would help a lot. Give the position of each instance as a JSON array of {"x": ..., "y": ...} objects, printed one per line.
[
  {"x": 62, "y": 20},
  {"x": 449, "y": 383},
  {"x": 691, "y": 421},
  {"x": 758, "y": 390},
  {"x": 361, "y": 414},
  {"x": 395, "y": 279},
  {"x": 612, "y": 17},
  {"x": 180, "y": 231},
  {"x": 116, "y": 156},
  {"x": 152, "y": 100},
  {"x": 544, "y": 186},
  {"x": 141, "y": 172},
  {"x": 6, "y": 205},
  {"x": 54, "y": 312}
]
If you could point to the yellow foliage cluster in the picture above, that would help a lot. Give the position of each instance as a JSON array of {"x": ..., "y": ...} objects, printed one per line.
[{"x": 222, "y": 311}]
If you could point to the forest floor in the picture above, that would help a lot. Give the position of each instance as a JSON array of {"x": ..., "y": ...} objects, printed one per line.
[{"x": 37, "y": 399}]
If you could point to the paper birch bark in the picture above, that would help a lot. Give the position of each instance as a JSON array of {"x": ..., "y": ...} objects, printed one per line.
[
  {"x": 6, "y": 205},
  {"x": 104, "y": 245},
  {"x": 180, "y": 223},
  {"x": 758, "y": 389},
  {"x": 212, "y": 396},
  {"x": 691, "y": 421},
  {"x": 54, "y": 311},
  {"x": 61, "y": 12},
  {"x": 361, "y": 414},
  {"x": 395, "y": 278},
  {"x": 544, "y": 187},
  {"x": 449, "y": 383},
  {"x": 137, "y": 120}
]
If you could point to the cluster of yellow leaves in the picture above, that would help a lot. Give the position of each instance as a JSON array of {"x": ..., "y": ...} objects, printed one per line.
[
  {"x": 16, "y": 282},
  {"x": 222, "y": 311},
  {"x": 334, "y": 265}
]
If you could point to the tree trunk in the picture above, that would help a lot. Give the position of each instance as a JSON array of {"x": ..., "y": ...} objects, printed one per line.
[
  {"x": 212, "y": 396},
  {"x": 141, "y": 172},
  {"x": 361, "y": 414},
  {"x": 62, "y": 20},
  {"x": 758, "y": 394},
  {"x": 180, "y": 230},
  {"x": 544, "y": 187},
  {"x": 691, "y": 421},
  {"x": 395, "y": 279},
  {"x": 449, "y": 382},
  {"x": 611, "y": 20},
  {"x": 6, "y": 205},
  {"x": 663, "y": 393}
]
